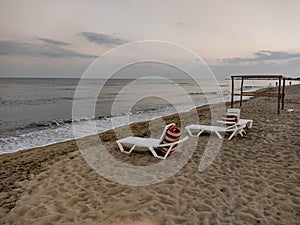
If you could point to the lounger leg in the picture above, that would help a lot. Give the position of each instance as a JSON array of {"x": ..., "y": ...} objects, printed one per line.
[
  {"x": 242, "y": 132},
  {"x": 193, "y": 135},
  {"x": 232, "y": 135},
  {"x": 201, "y": 131},
  {"x": 189, "y": 132},
  {"x": 131, "y": 149},
  {"x": 218, "y": 134},
  {"x": 160, "y": 157},
  {"x": 239, "y": 131},
  {"x": 123, "y": 150},
  {"x": 168, "y": 152},
  {"x": 120, "y": 146},
  {"x": 155, "y": 154}
]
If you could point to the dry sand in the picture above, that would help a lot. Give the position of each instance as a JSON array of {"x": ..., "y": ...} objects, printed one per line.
[{"x": 253, "y": 180}]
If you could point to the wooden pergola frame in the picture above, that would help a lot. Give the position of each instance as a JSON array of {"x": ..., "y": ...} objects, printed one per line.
[{"x": 279, "y": 94}]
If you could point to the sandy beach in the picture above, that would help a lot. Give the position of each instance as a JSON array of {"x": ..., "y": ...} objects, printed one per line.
[{"x": 254, "y": 179}]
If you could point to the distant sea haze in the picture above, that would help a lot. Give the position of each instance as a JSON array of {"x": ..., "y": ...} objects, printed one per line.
[{"x": 36, "y": 112}]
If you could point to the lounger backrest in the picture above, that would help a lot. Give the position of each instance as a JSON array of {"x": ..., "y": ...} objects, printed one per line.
[
  {"x": 235, "y": 112},
  {"x": 165, "y": 131},
  {"x": 172, "y": 135}
]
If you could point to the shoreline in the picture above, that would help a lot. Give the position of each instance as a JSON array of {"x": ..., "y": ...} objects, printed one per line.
[
  {"x": 17, "y": 148},
  {"x": 20, "y": 170},
  {"x": 48, "y": 136},
  {"x": 71, "y": 139}
]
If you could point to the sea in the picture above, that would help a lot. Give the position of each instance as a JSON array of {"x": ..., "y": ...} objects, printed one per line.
[{"x": 37, "y": 112}]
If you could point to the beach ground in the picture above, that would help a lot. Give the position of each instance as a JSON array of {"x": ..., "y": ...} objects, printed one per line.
[{"x": 254, "y": 179}]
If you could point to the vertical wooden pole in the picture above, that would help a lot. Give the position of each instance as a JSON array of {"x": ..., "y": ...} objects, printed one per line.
[
  {"x": 283, "y": 94},
  {"x": 232, "y": 90},
  {"x": 241, "y": 98},
  {"x": 279, "y": 94}
]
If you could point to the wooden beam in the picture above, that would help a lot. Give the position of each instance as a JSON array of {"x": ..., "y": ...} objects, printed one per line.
[
  {"x": 256, "y": 94},
  {"x": 258, "y": 76}
]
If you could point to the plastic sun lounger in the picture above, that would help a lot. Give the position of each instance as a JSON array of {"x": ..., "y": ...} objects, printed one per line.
[
  {"x": 150, "y": 143},
  {"x": 233, "y": 129},
  {"x": 237, "y": 112}
]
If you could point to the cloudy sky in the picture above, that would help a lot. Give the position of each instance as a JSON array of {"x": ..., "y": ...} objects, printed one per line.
[{"x": 61, "y": 38}]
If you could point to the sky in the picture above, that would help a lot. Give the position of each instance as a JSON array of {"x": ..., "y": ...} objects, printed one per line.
[{"x": 61, "y": 38}]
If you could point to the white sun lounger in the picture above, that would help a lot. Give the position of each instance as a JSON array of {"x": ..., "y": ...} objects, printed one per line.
[
  {"x": 233, "y": 129},
  {"x": 150, "y": 143},
  {"x": 237, "y": 112}
]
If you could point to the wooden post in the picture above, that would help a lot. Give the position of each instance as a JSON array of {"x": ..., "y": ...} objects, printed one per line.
[
  {"x": 241, "y": 98},
  {"x": 283, "y": 94},
  {"x": 279, "y": 94},
  {"x": 232, "y": 90}
]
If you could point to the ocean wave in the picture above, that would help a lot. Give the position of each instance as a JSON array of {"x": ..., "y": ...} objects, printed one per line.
[
  {"x": 33, "y": 102},
  {"x": 60, "y": 122}
]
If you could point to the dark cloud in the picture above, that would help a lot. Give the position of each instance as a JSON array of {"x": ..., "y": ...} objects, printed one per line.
[
  {"x": 264, "y": 56},
  {"x": 102, "y": 39},
  {"x": 51, "y": 41},
  {"x": 29, "y": 49}
]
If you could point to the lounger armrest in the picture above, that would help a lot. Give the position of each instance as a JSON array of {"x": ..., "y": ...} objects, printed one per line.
[
  {"x": 173, "y": 143},
  {"x": 236, "y": 125}
]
